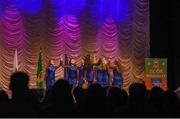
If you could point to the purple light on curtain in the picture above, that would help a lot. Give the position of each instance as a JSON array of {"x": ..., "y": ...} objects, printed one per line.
[
  {"x": 55, "y": 25},
  {"x": 117, "y": 9},
  {"x": 10, "y": 21},
  {"x": 2, "y": 6},
  {"x": 12, "y": 36},
  {"x": 71, "y": 7},
  {"x": 72, "y": 41},
  {"x": 66, "y": 39},
  {"x": 107, "y": 39},
  {"x": 30, "y": 7},
  {"x": 97, "y": 10}
]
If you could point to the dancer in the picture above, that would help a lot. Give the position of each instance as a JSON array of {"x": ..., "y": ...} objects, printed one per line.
[
  {"x": 81, "y": 73},
  {"x": 94, "y": 64},
  {"x": 105, "y": 72},
  {"x": 89, "y": 70},
  {"x": 50, "y": 73},
  {"x": 110, "y": 70},
  {"x": 117, "y": 77},
  {"x": 72, "y": 73},
  {"x": 99, "y": 75}
]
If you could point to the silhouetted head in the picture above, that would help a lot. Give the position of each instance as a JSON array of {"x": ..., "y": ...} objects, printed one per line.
[
  {"x": 117, "y": 96},
  {"x": 156, "y": 95},
  {"x": 95, "y": 100},
  {"x": 19, "y": 83},
  {"x": 96, "y": 91},
  {"x": 61, "y": 92},
  {"x": 137, "y": 93},
  {"x": 3, "y": 97}
]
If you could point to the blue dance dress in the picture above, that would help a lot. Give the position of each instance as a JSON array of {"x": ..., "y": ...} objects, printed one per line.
[
  {"x": 99, "y": 76},
  {"x": 105, "y": 79},
  {"x": 89, "y": 74},
  {"x": 72, "y": 76},
  {"x": 50, "y": 79},
  {"x": 81, "y": 75},
  {"x": 117, "y": 80}
]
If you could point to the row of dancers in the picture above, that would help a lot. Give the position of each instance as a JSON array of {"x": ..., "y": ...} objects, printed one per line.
[{"x": 90, "y": 71}]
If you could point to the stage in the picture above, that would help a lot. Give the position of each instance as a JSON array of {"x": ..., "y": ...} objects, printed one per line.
[{"x": 118, "y": 30}]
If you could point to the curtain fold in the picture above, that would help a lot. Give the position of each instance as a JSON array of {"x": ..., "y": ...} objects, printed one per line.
[{"x": 80, "y": 30}]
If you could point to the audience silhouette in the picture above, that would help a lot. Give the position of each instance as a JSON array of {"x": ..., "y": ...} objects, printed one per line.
[
  {"x": 96, "y": 101},
  {"x": 62, "y": 103},
  {"x": 21, "y": 103}
]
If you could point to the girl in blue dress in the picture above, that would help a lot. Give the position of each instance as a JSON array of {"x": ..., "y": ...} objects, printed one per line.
[
  {"x": 99, "y": 73},
  {"x": 99, "y": 76},
  {"x": 89, "y": 74},
  {"x": 117, "y": 78},
  {"x": 105, "y": 79},
  {"x": 105, "y": 71},
  {"x": 81, "y": 73},
  {"x": 72, "y": 73},
  {"x": 50, "y": 73}
]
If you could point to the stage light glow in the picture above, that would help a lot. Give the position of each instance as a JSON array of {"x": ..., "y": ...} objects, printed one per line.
[
  {"x": 33, "y": 6},
  {"x": 72, "y": 7},
  {"x": 117, "y": 9},
  {"x": 107, "y": 39},
  {"x": 30, "y": 7},
  {"x": 2, "y": 6}
]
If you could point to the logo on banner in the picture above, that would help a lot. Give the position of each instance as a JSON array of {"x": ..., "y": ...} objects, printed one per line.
[{"x": 156, "y": 72}]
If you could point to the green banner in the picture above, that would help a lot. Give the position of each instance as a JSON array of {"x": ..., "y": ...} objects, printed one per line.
[{"x": 156, "y": 66}]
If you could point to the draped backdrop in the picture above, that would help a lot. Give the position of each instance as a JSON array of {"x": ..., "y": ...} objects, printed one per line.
[{"x": 118, "y": 29}]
